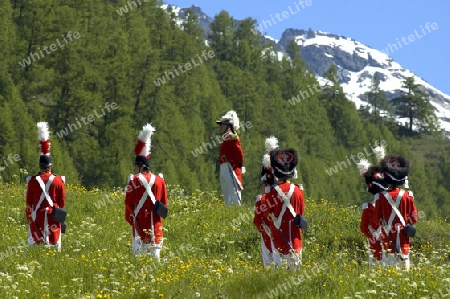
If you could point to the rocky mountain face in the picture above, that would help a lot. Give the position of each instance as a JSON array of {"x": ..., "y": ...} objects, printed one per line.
[
  {"x": 204, "y": 20},
  {"x": 356, "y": 63}
]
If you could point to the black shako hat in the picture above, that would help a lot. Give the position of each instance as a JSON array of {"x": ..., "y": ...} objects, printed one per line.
[{"x": 45, "y": 161}]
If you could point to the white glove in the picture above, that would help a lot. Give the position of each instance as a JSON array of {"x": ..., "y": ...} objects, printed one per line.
[{"x": 243, "y": 169}]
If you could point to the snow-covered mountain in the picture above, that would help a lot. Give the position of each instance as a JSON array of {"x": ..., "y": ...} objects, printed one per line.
[{"x": 357, "y": 64}]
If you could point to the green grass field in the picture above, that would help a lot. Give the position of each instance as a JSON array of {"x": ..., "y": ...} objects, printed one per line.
[{"x": 209, "y": 252}]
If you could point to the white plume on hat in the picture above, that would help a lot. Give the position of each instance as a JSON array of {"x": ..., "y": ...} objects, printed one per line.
[
  {"x": 266, "y": 161},
  {"x": 270, "y": 144},
  {"x": 144, "y": 144},
  {"x": 43, "y": 131},
  {"x": 44, "y": 137},
  {"x": 231, "y": 116},
  {"x": 379, "y": 153},
  {"x": 363, "y": 165}
]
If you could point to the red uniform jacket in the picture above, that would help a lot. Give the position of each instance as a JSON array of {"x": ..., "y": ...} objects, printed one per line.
[
  {"x": 260, "y": 221},
  {"x": 289, "y": 236},
  {"x": 147, "y": 222},
  {"x": 383, "y": 210},
  {"x": 57, "y": 193},
  {"x": 367, "y": 218},
  {"x": 231, "y": 151}
]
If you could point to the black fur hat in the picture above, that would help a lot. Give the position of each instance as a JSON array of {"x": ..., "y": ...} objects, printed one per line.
[
  {"x": 284, "y": 161},
  {"x": 375, "y": 180},
  {"x": 396, "y": 169}
]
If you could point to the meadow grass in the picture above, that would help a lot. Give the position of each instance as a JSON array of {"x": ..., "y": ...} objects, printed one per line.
[{"x": 209, "y": 252}]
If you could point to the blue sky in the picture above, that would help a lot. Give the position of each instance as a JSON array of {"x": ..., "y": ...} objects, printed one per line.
[{"x": 374, "y": 23}]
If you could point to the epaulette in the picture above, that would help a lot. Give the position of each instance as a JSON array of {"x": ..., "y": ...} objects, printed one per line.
[
  {"x": 410, "y": 193},
  {"x": 63, "y": 177},
  {"x": 29, "y": 178},
  {"x": 232, "y": 136},
  {"x": 375, "y": 198},
  {"x": 130, "y": 177}
]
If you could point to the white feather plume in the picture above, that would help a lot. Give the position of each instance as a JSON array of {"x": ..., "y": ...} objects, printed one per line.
[
  {"x": 232, "y": 116},
  {"x": 43, "y": 131},
  {"x": 271, "y": 143},
  {"x": 145, "y": 136},
  {"x": 266, "y": 161},
  {"x": 363, "y": 165},
  {"x": 379, "y": 153}
]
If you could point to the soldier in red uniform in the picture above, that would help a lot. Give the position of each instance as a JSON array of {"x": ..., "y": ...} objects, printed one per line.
[
  {"x": 261, "y": 223},
  {"x": 231, "y": 159},
  {"x": 285, "y": 207},
  {"x": 375, "y": 183},
  {"x": 145, "y": 200},
  {"x": 45, "y": 192},
  {"x": 263, "y": 226},
  {"x": 395, "y": 211},
  {"x": 372, "y": 235}
]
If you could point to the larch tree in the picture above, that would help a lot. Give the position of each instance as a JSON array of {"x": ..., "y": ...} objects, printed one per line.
[{"x": 415, "y": 105}]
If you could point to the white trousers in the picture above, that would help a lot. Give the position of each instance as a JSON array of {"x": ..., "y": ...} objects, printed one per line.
[
  {"x": 56, "y": 246},
  {"x": 396, "y": 260},
  {"x": 230, "y": 187},
  {"x": 267, "y": 256},
  {"x": 373, "y": 262},
  {"x": 290, "y": 260},
  {"x": 140, "y": 247}
]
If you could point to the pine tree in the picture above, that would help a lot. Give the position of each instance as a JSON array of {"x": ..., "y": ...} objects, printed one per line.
[
  {"x": 222, "y": 36},
  {"x": 377, "y": 99},
  {"x": 415, "y": 105}
]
